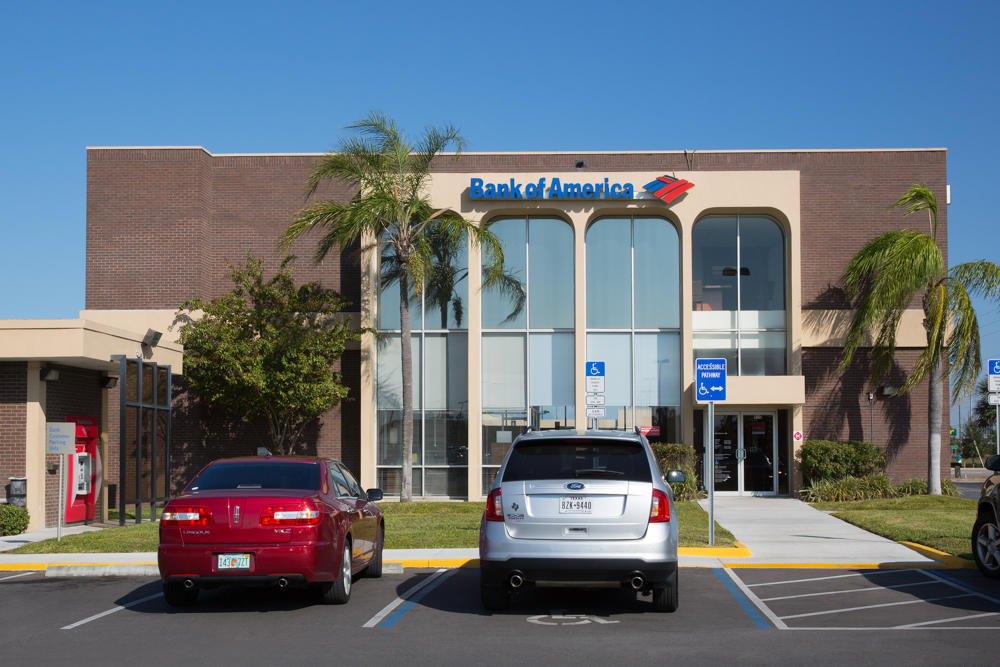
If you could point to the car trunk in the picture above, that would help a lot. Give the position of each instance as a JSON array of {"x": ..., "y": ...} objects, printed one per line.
[
  {"x": 236, "y": 516},
  {"x": 604, "y": 509}
]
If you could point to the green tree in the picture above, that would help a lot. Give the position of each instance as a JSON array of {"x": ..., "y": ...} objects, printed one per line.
[
  {"x": 392, "y": 208},
  {"x": 266, "y": 350},
  {"x": 885, "y": 277}
]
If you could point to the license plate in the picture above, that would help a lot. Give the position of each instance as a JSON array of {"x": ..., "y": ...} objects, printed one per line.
[
  {"x": 575, "y": 505},
  {"x": 233, "y": 561}
]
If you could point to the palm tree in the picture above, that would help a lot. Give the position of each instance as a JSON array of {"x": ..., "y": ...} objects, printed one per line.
[
  {"x": 885, "y": 277},
  {"x": 390, "y": 175},
  {"x": 446, "y": 271}
]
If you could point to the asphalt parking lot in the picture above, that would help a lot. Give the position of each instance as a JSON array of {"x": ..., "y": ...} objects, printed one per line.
[{"x": 433, "y": 616}]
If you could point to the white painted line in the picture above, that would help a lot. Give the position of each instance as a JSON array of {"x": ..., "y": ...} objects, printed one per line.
[
  {"x": 946, "y": 620},
  {"x": 851, "y": 590},
  {"x": 388, "y": 609},
  {"x": 111, "y": 611},
  {"x": 950, "y": 628},
  {"x": 835, "y": 576},
  {"x": 764, "y": 609},
  {"x": 876, "y": 606},
  {"x": 961, "y": 587},
  {"x": 15, "y": 576}
]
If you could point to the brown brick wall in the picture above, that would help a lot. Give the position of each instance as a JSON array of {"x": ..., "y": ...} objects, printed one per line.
[
  {"x": 837, "y": 408},
  {"x": 13, "y": 420}
]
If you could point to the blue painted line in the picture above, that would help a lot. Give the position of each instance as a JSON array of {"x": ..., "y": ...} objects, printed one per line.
[
  {"x": 748, "y": 607},
  {"x": 411, "y": 602}
]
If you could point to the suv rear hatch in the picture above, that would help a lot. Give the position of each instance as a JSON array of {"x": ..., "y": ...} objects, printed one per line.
[{"x": 577, "y": 489}]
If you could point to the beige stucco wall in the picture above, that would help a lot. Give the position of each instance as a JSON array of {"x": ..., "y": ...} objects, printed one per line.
[{"x": 774, "y": 193}]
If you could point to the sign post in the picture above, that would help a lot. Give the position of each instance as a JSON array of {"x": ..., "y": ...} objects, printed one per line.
[
  {"x": 994, "y": 373},
  {"x": 709, "y": 387},
  {"x": 594, "y": 372},
  {"x": 60, "y": 438}
]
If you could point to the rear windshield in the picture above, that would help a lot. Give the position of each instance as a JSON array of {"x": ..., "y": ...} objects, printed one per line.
[
  {"x": 258, "y": 475},
  {"x": 578, "y": 459}
]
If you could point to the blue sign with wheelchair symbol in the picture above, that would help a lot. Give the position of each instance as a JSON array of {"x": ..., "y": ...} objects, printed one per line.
[
  {"x": 994, "y": 367},
  {"x": 595, "y": 369},
  {"x": 709, "y": 380}
]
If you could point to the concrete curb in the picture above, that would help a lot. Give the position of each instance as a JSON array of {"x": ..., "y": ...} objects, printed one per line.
[{"x": 103, "y": 570}]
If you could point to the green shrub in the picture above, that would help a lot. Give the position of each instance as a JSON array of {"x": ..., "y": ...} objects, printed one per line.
[
  {"x": 688, "y": 489},
  {"x": 918, "y": 487},
  {"x": 678, "y": 456},
  {"x": 869, "y": 487},
  {"x": 824, "y": 460},
  {"x": 13, "y": 520}
]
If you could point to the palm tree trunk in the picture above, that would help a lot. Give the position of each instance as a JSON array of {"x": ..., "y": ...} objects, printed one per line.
[
  {"x": 406, "y": 354},
  {"x": 935, "y": 401}
]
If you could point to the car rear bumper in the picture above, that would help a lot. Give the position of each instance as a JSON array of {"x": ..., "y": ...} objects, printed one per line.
[
  {"x": 315, "y": 561},
  {"x": 578, "y": 572}
]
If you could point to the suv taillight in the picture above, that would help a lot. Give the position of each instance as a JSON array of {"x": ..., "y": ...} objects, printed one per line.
[
  {"x": 180, "y": 515},
  {"x": 494, "y": 506},
  {"x": 294, "y": 514},
  {"x": 659, "y": 507}
]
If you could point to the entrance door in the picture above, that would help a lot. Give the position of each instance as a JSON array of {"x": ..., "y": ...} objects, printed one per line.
[{"x": 746, "y": 447}]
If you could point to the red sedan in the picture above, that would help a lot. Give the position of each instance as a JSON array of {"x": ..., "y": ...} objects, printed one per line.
[{"x": 274, "y": 521}]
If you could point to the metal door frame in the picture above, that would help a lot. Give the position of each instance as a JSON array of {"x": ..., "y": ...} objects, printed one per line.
[{"x": 740, "y": 469}]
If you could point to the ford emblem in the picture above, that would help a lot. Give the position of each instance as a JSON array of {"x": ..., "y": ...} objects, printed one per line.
[{"x": 575, "y": 486}]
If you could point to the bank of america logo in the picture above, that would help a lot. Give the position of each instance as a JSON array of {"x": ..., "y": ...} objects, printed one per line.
[{"x": 668, "y": 188}]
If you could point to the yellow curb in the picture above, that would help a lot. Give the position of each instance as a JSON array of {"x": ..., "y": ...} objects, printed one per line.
[
  {"x": 839, "y": 566},
  {"x": 739, "y": 551},
  {"x": 438, "y": 562},
  {"x": 943, "y": 557}
]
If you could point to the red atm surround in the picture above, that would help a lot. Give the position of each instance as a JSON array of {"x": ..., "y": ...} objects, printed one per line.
[{"x": 84, "y": 477}]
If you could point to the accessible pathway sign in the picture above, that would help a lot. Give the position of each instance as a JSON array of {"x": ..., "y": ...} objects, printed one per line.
[{"x": 710, "y": 380}]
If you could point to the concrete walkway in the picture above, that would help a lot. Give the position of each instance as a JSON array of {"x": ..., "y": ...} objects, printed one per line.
[{"x": 776, "y": 532}]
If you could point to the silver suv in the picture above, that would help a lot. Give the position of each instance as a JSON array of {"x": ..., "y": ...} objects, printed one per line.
[{"x": 570, "y": 509}]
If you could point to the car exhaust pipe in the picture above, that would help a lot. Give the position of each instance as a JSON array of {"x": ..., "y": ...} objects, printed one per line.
[
  {"x": 638, "y": 582},
  {"x": 516, "y": 580},
  {"x": 282, "y": 583},
  {"x": 188, "y": 584}
]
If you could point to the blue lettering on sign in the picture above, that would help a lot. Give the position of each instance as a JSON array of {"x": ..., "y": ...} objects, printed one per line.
[{"x": 557, "y": 189}]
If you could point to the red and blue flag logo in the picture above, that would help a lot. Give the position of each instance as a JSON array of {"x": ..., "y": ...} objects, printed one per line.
[{"x": 668, "y": 188}]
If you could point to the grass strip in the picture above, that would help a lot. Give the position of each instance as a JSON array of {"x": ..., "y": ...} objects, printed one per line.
[
  {"x": 417, "y": 525},
  {"x": 941, "y": 522}
]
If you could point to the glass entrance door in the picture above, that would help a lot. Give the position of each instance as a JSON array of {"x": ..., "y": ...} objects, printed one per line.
[{"x": 746, "y": 449}]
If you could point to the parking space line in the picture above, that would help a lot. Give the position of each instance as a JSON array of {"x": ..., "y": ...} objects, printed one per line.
[
  {"x": 962, "y": 587},
  {"x": 850, "y": 590},
  {"x": 947, "y": 620},
  {"x": 833, "y": 576},
  {"x": 876, "y": 606},
  {"x": 15, "y": 576},
  {"x": 751, "y": 603},
  {"x": 111, "y": 611},
  {"x": 411, "y": 596}
]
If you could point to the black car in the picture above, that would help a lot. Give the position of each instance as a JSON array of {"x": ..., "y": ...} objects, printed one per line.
[{"x": 986, "y": 531}]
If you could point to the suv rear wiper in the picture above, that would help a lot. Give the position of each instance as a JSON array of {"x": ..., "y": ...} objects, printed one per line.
[{"x": 597, "y": 472}]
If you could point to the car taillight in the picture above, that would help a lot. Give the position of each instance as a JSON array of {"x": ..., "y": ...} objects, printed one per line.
[
  {"x": 659, "y": 507},
  {"x": 179, "y": 515},
  {"x": 494, "y": 506},
  {"x": 296, "y": 514}
]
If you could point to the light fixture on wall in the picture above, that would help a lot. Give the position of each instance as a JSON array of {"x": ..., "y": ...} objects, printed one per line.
[
  {"x": 581, "y": 164},
  {"x": 48, "y": 374},
  {"x": 109, "y": 382},
  {"x": 152, "y": 337},
  {"x": 888, "y": 390}
]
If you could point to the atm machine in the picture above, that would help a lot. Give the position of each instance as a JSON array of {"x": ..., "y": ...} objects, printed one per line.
[{"x": 84, "y": 478}]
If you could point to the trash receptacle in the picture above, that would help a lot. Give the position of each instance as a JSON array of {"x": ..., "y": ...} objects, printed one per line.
[
  {"x": 957, "y": 470},
  {"x": 18, "y": 494}
]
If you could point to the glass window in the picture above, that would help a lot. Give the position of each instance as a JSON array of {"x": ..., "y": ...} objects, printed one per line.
[
  {"x": 551, "y": 382},
  {"x": 550, "y": 267},
  {"x": 503, "y": 371},
  {"x": 609, "y": 274},
  {"x": 657, "y": 278},
  {"x": 739, "y": 293},
  {"x": 497, "y": 304}
]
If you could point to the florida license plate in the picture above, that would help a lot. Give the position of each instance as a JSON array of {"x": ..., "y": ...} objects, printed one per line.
[
  {"x": 233, "y": 561},
  {"x": 575, "y": 505}
]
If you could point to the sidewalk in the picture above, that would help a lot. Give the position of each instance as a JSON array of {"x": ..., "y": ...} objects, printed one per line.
[{"x": 771, "y": 532}]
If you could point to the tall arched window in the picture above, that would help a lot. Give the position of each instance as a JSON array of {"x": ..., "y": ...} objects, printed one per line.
[
  {"x": 739, "y": 293},
  {"x": 527, "y": 352},
  {"x": 633, "y": 322},
  {"x": 440, "y": 376}
]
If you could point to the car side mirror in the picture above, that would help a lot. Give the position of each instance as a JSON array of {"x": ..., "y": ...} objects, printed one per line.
[
  {"x": 374, "y": 494},
  {"x": 676, "y": 477},
  {"x": 993, "y": 462}
]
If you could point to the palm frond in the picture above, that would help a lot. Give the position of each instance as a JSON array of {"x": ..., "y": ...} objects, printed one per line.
[
  {"x": 963, "y": 341},
  {"x": 920, "y": 198}
]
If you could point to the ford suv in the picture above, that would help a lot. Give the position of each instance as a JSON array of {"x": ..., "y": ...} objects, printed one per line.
[
  {"x": 572, "y": 509},
  {"x": 986, "y": 531}
]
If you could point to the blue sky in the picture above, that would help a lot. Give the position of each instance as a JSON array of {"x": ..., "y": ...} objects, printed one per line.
[{"x": 287, "y": 77}]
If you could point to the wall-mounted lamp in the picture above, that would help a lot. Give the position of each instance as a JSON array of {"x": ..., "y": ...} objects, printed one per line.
[
  {"x": 888, "y": 390},
  {"x": 151, "y": 338},
  {"x": 48, "y": 374},
  {"x": 581, "y": 164},
  {"x": 109, "y": 382}
]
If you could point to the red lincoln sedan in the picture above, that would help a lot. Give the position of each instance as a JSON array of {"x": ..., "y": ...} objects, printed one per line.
[{"x": 278, "y": 521}]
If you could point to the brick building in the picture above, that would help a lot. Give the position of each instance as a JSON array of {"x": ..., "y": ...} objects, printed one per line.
[{"x": 744, "y": 264}]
